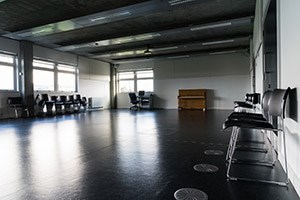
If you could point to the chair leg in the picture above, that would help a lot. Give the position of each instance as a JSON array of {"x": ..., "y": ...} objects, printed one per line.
[{"x": 235, "y": 178}]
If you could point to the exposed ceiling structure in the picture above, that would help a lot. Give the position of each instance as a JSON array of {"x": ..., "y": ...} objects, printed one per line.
[{"x": 129, "y": 30}]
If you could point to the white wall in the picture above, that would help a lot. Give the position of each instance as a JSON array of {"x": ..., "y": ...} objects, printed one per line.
[
  {"x": 94, "y": 79},
  {"x": 289, "y": 70},
  {"x": 226, "y": 77}
]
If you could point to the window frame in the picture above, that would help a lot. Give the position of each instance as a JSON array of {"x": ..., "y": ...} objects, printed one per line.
[
  {"x": 56, "y": 71},
  {"x": 15, "y": 71},
  {"x": 134, "y": 79}
]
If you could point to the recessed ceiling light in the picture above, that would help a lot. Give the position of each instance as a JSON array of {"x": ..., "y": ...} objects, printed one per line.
[
  {"x": 116, "y": 15},
  {"x": 164, "y": 48},
  {"x": 221, "y": 52},
  {"x": 175, "y": 57},
  {"x": 210, "y": 26},
  {"x": 217, "y": 42}
]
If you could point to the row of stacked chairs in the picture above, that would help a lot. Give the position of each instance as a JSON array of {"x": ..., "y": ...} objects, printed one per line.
[
  {"x": 63, "y": 104},
  {"x": 269, "y": 122}
]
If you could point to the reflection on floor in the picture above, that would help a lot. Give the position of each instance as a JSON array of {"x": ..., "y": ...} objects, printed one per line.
[{"x": 122, "y": 154}]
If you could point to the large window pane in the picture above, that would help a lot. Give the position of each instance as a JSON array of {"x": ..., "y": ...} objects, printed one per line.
[
  {"x": 43, "y": 80},
  {"x": 67, "y": 68},
  {"x": 145, "y": 85},
  {"x": 126, "y": 75},
  {"x": 7, "y": 59},
  {"x": 144, "y": 74},
  {"x": 43, "y": 64},
  {"x": 126, "y": 86},
  {"x": 66, "y": 82},
  {"x": 6, "y": 77}
]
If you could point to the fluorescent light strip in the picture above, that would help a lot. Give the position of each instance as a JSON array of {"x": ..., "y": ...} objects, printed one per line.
[
  {"x": 217, "y": 42},
  {"x": 126, "y": 13},
  {"x": 174, "y": 57},
  {"x": 222, "y": 52},
  {"x": 179, "y": 2},
  {"x": 218, "y": 25},
  {"x": 164, "y": 48}
]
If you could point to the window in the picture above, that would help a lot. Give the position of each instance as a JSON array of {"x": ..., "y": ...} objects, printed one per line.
[
  {"x": 51, "y": 76},
  {"x": 7, "y": 72},
  {"x": 135, "y": 81},
  {"x": 126, "y": 81},
  {"x": 66, "y": 78},
  {"x": 43, "y": 75}
]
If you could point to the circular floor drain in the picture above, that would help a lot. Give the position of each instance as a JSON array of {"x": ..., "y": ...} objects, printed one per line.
[
  {"x": 190, "y": 194},
  {"x": 206, "y": 168},
  {"x": 213, "y": 152}
]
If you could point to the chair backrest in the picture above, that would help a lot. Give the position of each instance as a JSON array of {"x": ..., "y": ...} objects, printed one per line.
[
  {"x": 45, "y": 97},
  {"x": 265, "y": 100},
  {"x": 78, "y": 97},
  {"x": 71, "y": 98},
  {"x": 133, "y": 97},
  {"x": 255, "y": 98},
  {"x": 141, "y": 93},
  {"x": 277, "y": 102},
  {"x": 13, "y": 101},
  {"x": 63, "y": 98}
]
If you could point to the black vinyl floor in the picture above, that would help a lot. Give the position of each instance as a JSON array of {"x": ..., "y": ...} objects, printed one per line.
[{"x": 124, "y": 155}]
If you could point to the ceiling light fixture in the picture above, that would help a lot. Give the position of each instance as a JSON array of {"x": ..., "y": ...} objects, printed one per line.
[
  {"x": 210, "y": 26},
  {"x": 175, "y": 57},
  {"x": 165, "y": 48},
  {"x": 121, "y": 14},
  {"x": 217, "y": 42},
  {"x": 179, "y": 2},
  {"x": 221, "y": 52}
]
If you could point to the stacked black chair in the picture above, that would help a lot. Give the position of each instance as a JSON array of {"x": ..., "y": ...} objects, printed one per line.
[
  {"x": 58, "y": 105},
  {"x": 49, "y": 104},
  {"x": 67, "y": 104},
  {"x": 276, "y": 109},
  {"x": 82, "y": 102},
  {"x": 142, "y": 100},
  {"x": 251, "y": 100},
  {"x": 17, "y": 103}
]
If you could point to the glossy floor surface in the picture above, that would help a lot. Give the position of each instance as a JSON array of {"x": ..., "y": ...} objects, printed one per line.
[{"x": 122, "y": 154}]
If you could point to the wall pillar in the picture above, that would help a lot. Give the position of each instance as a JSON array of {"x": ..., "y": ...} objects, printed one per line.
[{"x": 26, "y": 75}]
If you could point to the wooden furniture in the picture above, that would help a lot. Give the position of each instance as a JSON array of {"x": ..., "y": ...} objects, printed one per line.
[{"x": 192, "y": 99}]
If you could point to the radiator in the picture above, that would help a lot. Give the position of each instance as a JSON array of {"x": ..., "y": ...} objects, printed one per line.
[{"x": 95, "y": 102}]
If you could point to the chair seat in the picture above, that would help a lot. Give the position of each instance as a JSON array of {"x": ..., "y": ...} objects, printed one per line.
[
  {"x": 252, "y": 116},
  {"x": 242, "y": 123},
  {"x": 243, "y": 104}
]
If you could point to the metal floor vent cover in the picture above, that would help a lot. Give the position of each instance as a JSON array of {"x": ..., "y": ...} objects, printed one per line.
[
  {"x": 213, "y": 152},
  {"x": 190, "y": 194},
  {"x": 206, "y": 168}
]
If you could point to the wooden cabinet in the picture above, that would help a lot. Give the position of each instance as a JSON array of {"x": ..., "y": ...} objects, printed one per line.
[{"x": 192, "y": 99}]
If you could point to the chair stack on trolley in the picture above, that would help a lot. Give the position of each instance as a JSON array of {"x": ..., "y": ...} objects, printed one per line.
[
  {"x": 247, "y": 120},
  {"x": 59, "y": 105}
]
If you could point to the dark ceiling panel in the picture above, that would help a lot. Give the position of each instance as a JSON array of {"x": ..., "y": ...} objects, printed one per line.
[{"x": 168, "y": 22}]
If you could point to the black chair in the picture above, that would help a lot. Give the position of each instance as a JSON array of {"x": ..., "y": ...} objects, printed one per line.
[
  {"x": 134, "y": 101},
  {"x": 66, "y": 103},
  {"x": 143, "y": 99},
  {"x": 258, "y": 117},
  {"x": 58, "y": 105},
  {"x": 82, "y": 102},
  {"x": 49, "y": 104},
  {"x": 251, "y": 100},
  {"x": 17, "y": 103},
  {"x": 277, "y": 104}
]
